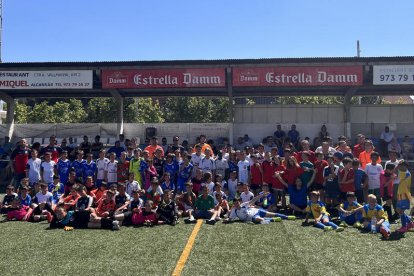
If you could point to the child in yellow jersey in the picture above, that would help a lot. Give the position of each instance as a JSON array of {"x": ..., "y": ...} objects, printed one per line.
[
  {"x": 371, "y": 211},
  {"x": 404, "y": 196},
  {"x": 317, "y": 209}
]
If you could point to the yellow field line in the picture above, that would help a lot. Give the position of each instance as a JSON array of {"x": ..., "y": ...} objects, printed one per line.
[{"x": 187, "y": 249}]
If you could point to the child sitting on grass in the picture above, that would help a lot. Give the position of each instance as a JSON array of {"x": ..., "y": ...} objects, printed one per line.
[
  {"x": 374, "y": 212},
  {"x": 319, "y": 213},
  {"x": 17, "y": 211},
  {"x": 350, "y": 211},
  {"x": 298, "y": 197}
]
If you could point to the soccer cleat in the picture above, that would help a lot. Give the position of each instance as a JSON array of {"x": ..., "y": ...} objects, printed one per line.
[
  {"x": 291, "y": 217},
  {"x": 188, "y": 221},
  {"x": 276, "y": 219},
  {"x": 115, "y": 225},
  {"x": 385, "y": 234},
  {"x": 357, "y": 225},
  {"x": 340, "y": 229},
  {"x": 403, "y": 229},
  {"x": 343, "y": 224},
  {"x": 211, "y": 222},
  {"x": 68, "y": 228},
  {"x": 328, "y": 228}
]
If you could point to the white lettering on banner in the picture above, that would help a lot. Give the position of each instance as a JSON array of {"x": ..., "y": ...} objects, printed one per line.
[
  {"x": 190, "y": 79},
  {"x": 150, "y": 80},
  {"x": 324, "y": 77},
  {"x": 53, "y": 79},
  {"x": 298, "y": 78}
]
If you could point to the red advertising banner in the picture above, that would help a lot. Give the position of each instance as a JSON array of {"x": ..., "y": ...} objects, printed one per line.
[
  {"x": 298, "y": 76},
  {"x": 164, "y": 78}
]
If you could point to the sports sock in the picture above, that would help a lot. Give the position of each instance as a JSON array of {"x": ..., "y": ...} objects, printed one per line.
[
  {"x": 320, "y": 225},
  {"x": 281, "y": 216},
  {"x": 330, "y": 223}
]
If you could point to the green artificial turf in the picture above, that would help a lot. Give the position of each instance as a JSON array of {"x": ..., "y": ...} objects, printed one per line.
[{"x": 279, "y": 248}]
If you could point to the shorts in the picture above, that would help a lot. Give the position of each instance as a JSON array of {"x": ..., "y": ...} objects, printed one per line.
[
  {"x": 332, "y": 190},
  {"x": 200, "y": 214},
  {"x": 279, "y": 192},
  {"x": 81, "y": 219},
  {"x": 403, "y": 204},
  {"x": 255, "y": 186},
  {"x": 260, "y": 214},
  {"x": 316, "y": 187}
]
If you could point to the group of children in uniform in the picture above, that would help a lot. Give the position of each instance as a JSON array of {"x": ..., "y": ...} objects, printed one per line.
[{"x": 249, "y": 187}]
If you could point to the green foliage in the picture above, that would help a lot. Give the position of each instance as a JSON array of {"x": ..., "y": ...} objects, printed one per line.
[
  {"x": 71, "y": 111},
  {"x": 196, "y": 110}
]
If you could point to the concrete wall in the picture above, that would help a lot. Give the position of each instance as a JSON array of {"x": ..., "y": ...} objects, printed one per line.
[
  {"x": 367, "y": 119},
  {"x": 256, "y": 120}
]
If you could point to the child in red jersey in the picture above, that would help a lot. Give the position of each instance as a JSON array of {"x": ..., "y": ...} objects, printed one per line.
[
  {"x": 317, "y": 184},
  {"x": 256, "y": 175}
]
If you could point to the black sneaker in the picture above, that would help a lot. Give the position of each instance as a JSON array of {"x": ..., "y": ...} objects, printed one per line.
[
  {"x": 189, "y": 221},
  {"x": 211, "y": 222}
]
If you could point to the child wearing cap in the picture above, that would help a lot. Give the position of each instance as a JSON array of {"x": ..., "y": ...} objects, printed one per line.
[
  {"x": 321, "y": 218},
  {"x": 350, "y": 211}
]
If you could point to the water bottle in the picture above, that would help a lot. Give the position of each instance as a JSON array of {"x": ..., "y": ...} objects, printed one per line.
[
  {"x": 373, "y": 225},
  {"x": 265, "y": 202}
]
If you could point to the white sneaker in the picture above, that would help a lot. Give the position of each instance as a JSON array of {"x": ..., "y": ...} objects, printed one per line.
[
  {"x": 265, "y": 222},
  {"x": 115, "y": 225}
]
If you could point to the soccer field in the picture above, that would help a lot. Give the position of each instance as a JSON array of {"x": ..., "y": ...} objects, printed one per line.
[{"x": 279, "y": 248}]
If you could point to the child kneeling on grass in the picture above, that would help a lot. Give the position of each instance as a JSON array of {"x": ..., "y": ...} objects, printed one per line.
[
  {"x": 350, "y": 211},
  {"x": 371, "y": 211},
  {"x": 320, "y": 215},
  {"x": 247, "y": 212}
]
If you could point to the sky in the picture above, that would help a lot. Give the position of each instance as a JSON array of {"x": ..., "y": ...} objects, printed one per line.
[{"x": 122, "y": 30}]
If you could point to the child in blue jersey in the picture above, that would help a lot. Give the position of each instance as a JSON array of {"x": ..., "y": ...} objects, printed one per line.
[
  {"x": 268, "y": 202},
  {"x": 374, "y": 210},
  {"x": 184, "y": 173},
  {"x": 170, "y": 167},
  {"x": 360, "y": 180},
  {"x": 63, "y": 167},
  {"x": 167, "y": 184},
  {"x": 89, "y": 167},
  {"x": 56, "y": 188},
  {"x": 77, "y": 165},
  {"x": 298, "y": 195},
  {"x": 320, "y": 215},
  {"x": 25, "y": 198},
  {"x": 350, "y": 211}
]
